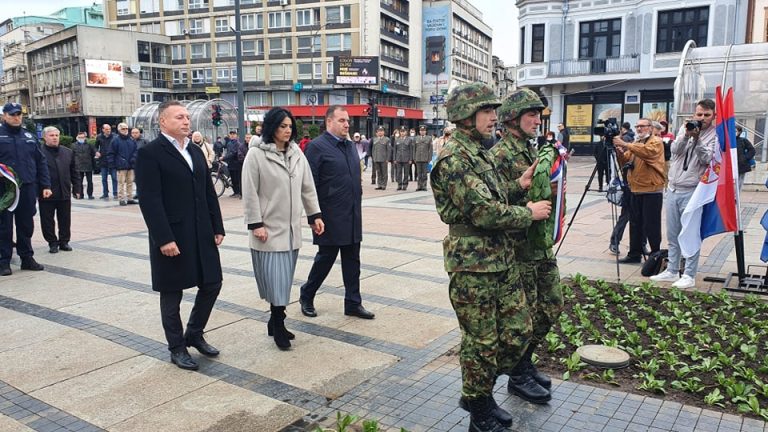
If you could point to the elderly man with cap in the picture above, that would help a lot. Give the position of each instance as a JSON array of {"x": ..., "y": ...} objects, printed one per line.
[
  {"x": 20, "y": 151},
  {"x": 422, "y": 154}
]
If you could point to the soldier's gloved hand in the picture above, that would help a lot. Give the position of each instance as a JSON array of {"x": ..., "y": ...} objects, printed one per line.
[
  {"x": 540, "y": 210},
  {"x": 527, "y": 177}
]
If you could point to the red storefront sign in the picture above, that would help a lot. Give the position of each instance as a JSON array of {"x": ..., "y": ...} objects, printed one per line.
[{"x": 354, "y": 111}]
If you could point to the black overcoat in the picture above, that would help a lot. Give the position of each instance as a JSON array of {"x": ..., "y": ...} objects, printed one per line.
[
  {"x": 179, "y": 204},
  {"x": 336, "y": 171}
]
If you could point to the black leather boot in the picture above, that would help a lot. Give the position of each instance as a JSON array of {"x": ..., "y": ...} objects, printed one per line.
[
  {"x": 278, "y": 326},
  {"x": 528, "y": 389},
  {"x": 481, "y": 417},
  {"x": 531, "y": 370},
  {"x": 502, "y": 416},
  {"x": 271, "y": 330}
]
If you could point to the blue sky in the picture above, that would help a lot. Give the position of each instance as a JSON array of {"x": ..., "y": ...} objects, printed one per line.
[{"x": 501, "y": 15}]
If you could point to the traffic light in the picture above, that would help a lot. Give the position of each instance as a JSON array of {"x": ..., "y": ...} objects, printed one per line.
[
  {"x": 216, "y": 115},
  {"x": 372, "y": 109}
]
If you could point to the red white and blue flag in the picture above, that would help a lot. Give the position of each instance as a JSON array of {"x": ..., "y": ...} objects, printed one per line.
[
  {"x": 712, "y": 208},
  {"x": 557, "y": 175}
]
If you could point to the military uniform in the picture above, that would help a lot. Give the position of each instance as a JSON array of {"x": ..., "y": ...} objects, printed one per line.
[
  {"x": 403, "y": 156},
  {"x": 538, "y": 266},
  {"x": 380, "y": 150},
  {"x": 422, "y": 154}
]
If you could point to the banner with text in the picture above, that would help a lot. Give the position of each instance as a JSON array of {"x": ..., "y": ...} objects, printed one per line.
[{"x": 356, "y": 70}]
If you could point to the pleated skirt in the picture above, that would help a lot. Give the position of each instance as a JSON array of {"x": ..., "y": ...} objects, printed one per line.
[{"x": 274, "y": 274}]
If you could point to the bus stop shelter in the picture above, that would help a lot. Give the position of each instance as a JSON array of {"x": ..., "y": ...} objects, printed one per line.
[{"x": 200, "y": 111}]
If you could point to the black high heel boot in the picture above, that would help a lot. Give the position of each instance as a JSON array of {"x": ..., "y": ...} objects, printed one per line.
[
  {"x": 278, "y": 327},
  {"x": 271, "y": 330}
]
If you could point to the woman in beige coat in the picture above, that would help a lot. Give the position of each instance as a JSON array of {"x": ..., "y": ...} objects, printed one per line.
[{"x": 277, "y": 184}]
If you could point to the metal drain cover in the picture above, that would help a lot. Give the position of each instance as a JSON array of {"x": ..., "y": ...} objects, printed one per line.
[{"x": 603, "y": 356}]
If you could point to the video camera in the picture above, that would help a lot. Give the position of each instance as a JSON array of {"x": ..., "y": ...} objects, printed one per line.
[
  {"x": 692, "y": 125},
  {"x": 607, "y": 129}
]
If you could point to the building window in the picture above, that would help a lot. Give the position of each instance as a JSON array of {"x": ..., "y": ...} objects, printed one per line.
[
  {"x": 143, "y": 51},
  {"x": 145, "y": 97},
  {"x": 676, "y": 27},
  {"x": 173, "y": 5},
  {"x": 202, "y": 76},
  {"x": 329, "y": 70},
  {"x": 178, "y": 52},
  {"x": 337, "y": 14},
  {"x": 282, "y": 98},
  {"x": 225, "y": 49},
  {"x": 338, "y": 42},
  {"x": 222, "y": 75},
  {"x": 196, "y": 26},
  {"x": 307, "y": 17},
  {"x": 222, "y": 25},
  {"x": 522, "y": 45},
  {"x": 305, "y": 70},
  {"x": 200, "y": 50},
  {"x": 305, "y": 44},
  {"x": 600, "y": 39},
  {"x": 123, "y": 7},
  {"x": 151, "y": 27},
  {"x": 280, "y": 45},
  {"x": 537, "y": 43},
  {"x": 179, "y": 77},
  {"x": 252, "y": 22},
  {"x": 279, "y": 19},
  {"x": 198, "y": 4},
  {"x": 149, "y": 6},
  {"x": 280, "y": 72},
  {"x": 256, "y": 99},
  {"x": 174, "y": 28}
]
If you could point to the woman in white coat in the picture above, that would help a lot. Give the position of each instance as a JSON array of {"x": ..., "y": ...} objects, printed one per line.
[{"x": 277, "y": 184}]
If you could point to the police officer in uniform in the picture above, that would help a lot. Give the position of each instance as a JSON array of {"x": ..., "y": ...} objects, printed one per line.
[
  {"x": 380, "y": 150},
  {"x": 19, "y": 150},
  {"x": 422, "y": 154},
  {"x": 520, "y": 114},
  {"x": 485, "y": 287}
]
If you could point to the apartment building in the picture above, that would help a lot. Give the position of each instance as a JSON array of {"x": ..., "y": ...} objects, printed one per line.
[
  {"x": 503, "y": 78},
  {"x": 288, "y": 52},
  {"x": 457, "y": 49},
  {"x": 757, "y": 21},
  {"x": 596, "y": 59}
]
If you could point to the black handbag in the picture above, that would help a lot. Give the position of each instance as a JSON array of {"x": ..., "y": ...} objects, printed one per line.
[{"x": 656, "y": 263}]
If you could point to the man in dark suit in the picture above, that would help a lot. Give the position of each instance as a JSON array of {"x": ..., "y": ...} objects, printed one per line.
[
  {"x": 183, "y": 216},
  {"x": 336, "y": 171},
  {"x": 61, "y": 168}
]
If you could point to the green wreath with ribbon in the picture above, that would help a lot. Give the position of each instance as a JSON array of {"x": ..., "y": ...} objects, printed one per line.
[{"x": 10, "y": 187}]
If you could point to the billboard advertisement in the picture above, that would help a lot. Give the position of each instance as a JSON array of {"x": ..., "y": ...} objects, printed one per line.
[
  {"x": 104, "y": 73},
  {"x": 356, "y": 70},
  {"x": 437, "y": 46}
]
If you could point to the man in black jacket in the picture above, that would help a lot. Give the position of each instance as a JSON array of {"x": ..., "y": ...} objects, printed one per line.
[
  {"x": 103, "y": 143},
  {"x": 61, "y": 166},
  {"x": 83, "y": 154},
  {"x": 336, "y": 170},
  {"x": 122, "y": 156},
  {"x": 183, "y": 217}
]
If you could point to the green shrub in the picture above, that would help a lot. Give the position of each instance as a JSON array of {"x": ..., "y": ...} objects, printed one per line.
[{"x": 66, "y": 141}]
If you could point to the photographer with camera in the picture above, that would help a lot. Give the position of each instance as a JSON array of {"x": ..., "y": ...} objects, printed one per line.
[
  {"x": 646, "y": 178},
  {"x": 691, "y": 154}
]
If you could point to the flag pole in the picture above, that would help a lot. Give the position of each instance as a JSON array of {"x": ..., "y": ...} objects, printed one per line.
[{"x": 730, "y": 133}]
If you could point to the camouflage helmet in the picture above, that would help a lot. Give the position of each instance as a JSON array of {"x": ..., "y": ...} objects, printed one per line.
[
  {"x": 466, "y": 99},
  {"x": 517, "y": 103}
]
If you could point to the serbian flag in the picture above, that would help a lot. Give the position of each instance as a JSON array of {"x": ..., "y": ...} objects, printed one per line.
[
  {"x": 712, "y": 207},
  {"x": 557, "y": 175}
]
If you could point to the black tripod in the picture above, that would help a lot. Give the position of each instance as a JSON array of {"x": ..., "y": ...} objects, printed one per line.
[{"x": 614, "y": 173}]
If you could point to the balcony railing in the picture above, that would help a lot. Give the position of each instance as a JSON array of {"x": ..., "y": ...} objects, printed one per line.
[{"x": 594, "y": 66}]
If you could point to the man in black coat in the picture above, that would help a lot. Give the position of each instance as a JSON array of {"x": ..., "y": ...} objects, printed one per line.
[
  {"x": 61, "y": 167},
  {"x": 182, "y": 213},
  {"x": 336, "y": 170},
  {"x": 103, "y": 143}
]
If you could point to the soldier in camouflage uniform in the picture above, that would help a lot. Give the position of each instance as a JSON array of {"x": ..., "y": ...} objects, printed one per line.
[
  {"x": 521, "y": 116},
  {"x": 422, "y": 154},
  {"x": 403, "y": 157},
  {"x": 484, "y": 288}
]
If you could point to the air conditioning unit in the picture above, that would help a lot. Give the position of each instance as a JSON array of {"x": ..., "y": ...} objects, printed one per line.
[
  {"x": 21, "y": 68},
  {"x": 284, "y": 2},
  {"x": 185, "y": 32}
]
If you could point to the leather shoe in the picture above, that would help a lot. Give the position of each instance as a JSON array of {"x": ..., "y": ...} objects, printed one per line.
[
  {"x": 539, "y": 377},
  {"x": 53, "y": 248},
  {"x": 182, "y": 359},
  {"x": 629, "y": 259},
  {"x": 65, "y": 247},
  {"x": 528, "y": 389},
  {"x": 201, "y": 345},
  {"x": 360, "y": 312},
  {"x": 29, "y": 263},
  {"x": 307, "y": 308},
  {"x": 5, "y": 270},
  {"x": 502, "y": 416}
]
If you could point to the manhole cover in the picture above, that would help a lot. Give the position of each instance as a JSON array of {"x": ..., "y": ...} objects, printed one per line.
[{"x": 603, "y": 356}]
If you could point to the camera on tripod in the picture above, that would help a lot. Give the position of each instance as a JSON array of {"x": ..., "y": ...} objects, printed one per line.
[
  {"x": 607, "y": 129},
  {"x": 692, "y": 125}
]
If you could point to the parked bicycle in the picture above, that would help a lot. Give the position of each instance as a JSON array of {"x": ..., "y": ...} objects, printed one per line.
[{"x": 220, "y": 177}]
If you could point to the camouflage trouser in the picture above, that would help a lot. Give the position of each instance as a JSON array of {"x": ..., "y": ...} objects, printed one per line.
[
  {"x": 541, "y": 279},
  {"x": 495, "y": 326}
]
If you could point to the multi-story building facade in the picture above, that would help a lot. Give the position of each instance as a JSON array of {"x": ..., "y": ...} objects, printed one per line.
[
  {"x": 503, "y": 78},
  {"x": 82, "y": 76},
  {"x": 288, "y": 51},
  {"x": 619, "y": 58},
  {"x": 17, "y": 32},
  {"x": 457, "y": 49}
]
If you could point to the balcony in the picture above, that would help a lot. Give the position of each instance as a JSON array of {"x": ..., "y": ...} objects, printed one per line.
[
  {"x": 399, "y": 9},
  {"x": 594, "y": 66},
  {"x": 398, "y": 35}
]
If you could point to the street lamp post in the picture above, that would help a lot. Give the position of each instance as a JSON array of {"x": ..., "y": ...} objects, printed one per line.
[
  {"x": 239, "y": 68},
  {"x": 312, "y": 98}
]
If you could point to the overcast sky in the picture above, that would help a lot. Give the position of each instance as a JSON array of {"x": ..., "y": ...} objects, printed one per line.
[{"x": 500, "y": 15}]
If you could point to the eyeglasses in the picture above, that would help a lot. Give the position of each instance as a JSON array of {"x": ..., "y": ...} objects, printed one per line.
[{"x": 642, "y": 126}]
